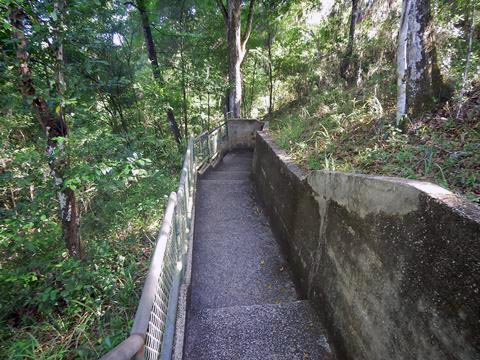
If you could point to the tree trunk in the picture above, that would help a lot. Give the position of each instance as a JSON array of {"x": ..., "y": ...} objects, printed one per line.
[
  {"x": 184, "y": 92},
  {"x": 173, "y": 126},
  {"x": 54, "y": 126},
  {"x": 208, "y": 110},
  {"x": 416, "y": 67},
  {"x": 270, "y": 74},
  {"x": 235, "y": 57},
  {"x": 147, "y": 34},
  {"x": 467, "y": 63},
  {"x": 152, "y": 56},
  {"x": 402, "y": 64},
  {"x": 236, "y": 43},
  {"x": 252, "y": 91},
  {"x": 184, "y": 29},
  {"x": 419, "y": 86},
  {"x": 347, "y": 59}
]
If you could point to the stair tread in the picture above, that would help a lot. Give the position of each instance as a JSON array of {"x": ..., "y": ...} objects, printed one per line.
[
  {"x": 226, "y": 175},
  {"x": 224, "y": 181},
  {"x": 268, "y": 331},
  {"x": 237, "y": 167},
  {"x": 236, "y": 259},
  {"x": 230, "y": 171},
  {"x": 235, "y": 162}
]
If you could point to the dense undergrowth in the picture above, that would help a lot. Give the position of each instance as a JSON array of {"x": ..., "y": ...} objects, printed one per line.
[
  {"x": 344, "y": 130},
  {"x": 56, "y": 307}
]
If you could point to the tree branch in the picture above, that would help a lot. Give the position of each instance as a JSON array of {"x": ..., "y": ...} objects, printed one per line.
[
  {"x": 223, "y": 9},
  {"x": 248, "y": 30}
]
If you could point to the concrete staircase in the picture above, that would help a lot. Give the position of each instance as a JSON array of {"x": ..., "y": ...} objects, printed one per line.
[{"x": 244, "y": 304}]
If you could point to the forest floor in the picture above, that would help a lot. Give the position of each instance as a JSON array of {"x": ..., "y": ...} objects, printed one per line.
[{"x": 341, "y": 129}]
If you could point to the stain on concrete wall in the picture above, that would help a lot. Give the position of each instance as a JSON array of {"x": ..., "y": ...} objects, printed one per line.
[{"x": 393, "y": 265}]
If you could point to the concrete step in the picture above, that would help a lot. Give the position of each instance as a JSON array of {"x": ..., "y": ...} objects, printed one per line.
[
  {"x": 271, "y": 331},
  {"x": 236, "y": 161},
  {"x": 226, "y": 182},
  {"x": 226, "y": 175},
  {"x": 239, "y": 154},
  {"x": 236, "y": 259},
  {"x": 239, "y": 165}
]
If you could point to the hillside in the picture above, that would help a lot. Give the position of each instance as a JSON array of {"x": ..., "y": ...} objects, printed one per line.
[
  {"x": 348, "y": 109},
  {"x": 345, "y": 131}
]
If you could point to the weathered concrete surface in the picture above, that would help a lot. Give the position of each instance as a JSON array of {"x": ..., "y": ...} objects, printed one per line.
[
  {"x": 242, "y": 132},
  {"x": 243, "y": 303},
  {"x": 392, "y": 264},
  {"x": 273, "y": 331},
  {"x": 236, "y": 260}
]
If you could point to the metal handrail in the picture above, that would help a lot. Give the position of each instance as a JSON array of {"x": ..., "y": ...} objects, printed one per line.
[
  {"x": 209, "y": 145},
  {"x": 160, "y": 291}
]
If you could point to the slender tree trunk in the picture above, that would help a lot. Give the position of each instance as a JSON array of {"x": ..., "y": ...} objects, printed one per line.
[
  {"x": 54, "y": 126},
  {"x": 207, "y": 88},
  {"x": 70, "y": 214},
  {"x": 414, "y": 62},
  {"x": 152, "y": 56},
  {"x": 441, "y": 90},
  {"x": 235, "y": 57},
  {"x": 236, "y": 42},
  {"x": 184, "y": 92},
  {"x": 467, "y": 62},
  {"x": 147, "y": 34},
  {"x": 252, "y": 91},
  {"x": 184, "y": 70},
  {"x": 419, "y": 86},
  {"x": 208, "y": 110},
  {"x": 173, "y": 128},
  {"x": 225, "y": 105},
  {"x": 347, "y": 59},
  {"x": 270, "y": 74},
  {"x": 402, "y": 64}
]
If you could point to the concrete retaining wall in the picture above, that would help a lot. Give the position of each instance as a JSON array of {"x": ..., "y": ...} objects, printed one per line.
[
  {"x": 393, "y": 265},
  {"x": 241, "y": 133}
]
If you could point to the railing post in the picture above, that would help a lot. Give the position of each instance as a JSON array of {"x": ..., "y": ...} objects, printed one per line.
[
  {"x": 178, "y": 224},
  {"x": 192, "y": 167},
  {"x": 208, "y": 147}
]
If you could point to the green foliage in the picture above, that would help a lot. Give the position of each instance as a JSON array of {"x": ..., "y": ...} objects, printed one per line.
[
  {"x": 122, "y": 164},
  {"x": 44, "y": 291}
]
